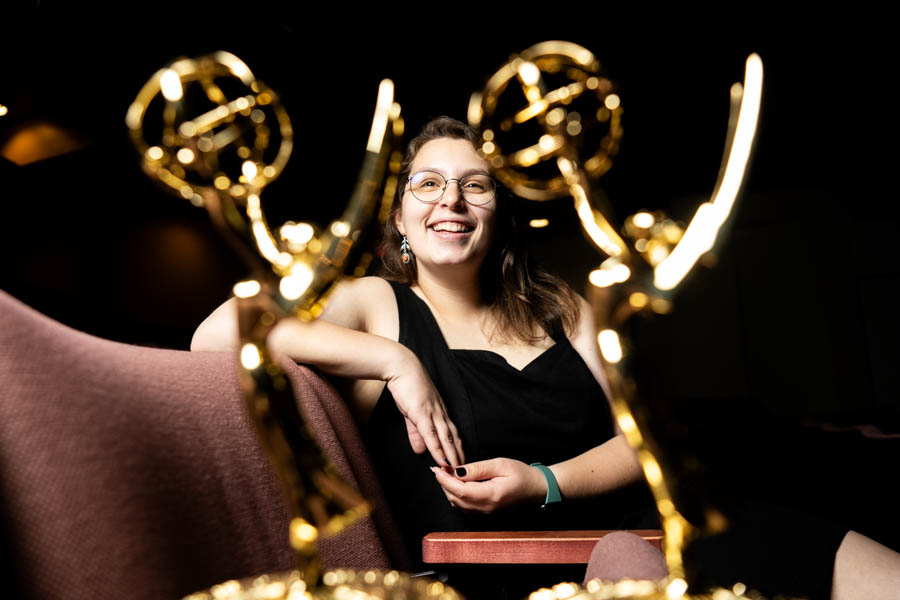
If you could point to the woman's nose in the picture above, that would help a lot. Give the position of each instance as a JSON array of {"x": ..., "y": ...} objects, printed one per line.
[{"x": 453, "y": 197}]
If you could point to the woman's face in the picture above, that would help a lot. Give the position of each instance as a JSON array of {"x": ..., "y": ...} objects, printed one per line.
[{"x": 450, "y": 231}]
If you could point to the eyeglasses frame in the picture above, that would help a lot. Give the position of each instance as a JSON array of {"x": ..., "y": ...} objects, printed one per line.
[{"x": 447, "y": 181}]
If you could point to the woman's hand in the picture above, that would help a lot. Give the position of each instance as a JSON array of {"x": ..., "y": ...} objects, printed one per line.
[
  {"x": 427, "y": 423},
  {"x": 488, "y": 485}
]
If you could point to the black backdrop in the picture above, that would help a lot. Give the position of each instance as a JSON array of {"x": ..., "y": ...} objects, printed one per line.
[{"x": 797, "y": 321}]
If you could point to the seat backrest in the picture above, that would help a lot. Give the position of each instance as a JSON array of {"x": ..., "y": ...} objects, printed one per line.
[{"x": 126, "y": 469}]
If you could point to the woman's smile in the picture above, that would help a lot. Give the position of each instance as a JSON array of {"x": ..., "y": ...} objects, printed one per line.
[{"x": 448, "y": 230}]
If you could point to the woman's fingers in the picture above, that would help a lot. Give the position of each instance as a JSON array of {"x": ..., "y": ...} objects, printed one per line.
[
  {"x": 423, "y": 435},
  {"x": 415, "y": 438},
  {"x": 427, "y": 423},
  {"x": 438, "y": 435},
  {"x": 491, "y": 484},
  {"x": 464, "y": 495},
  {"x": 484, "y": 469},
  {"x": 457, "y": 443},
  {"x": 447, "y": 439}
]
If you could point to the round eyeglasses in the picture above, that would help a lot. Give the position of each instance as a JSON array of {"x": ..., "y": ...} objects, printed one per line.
[{"x": 429, "y": 186}]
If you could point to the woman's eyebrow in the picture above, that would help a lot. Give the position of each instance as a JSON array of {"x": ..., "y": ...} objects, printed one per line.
[
  {"x": 462, "y": 175},
  {"x": 475, "y": 172}
]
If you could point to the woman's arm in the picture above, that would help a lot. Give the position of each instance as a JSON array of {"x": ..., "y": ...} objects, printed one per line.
[
  {"x": 487, "y": 485},
  {"x": 340, "y": 344}
]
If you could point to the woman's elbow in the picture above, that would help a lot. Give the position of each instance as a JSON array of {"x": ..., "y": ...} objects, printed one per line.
[
  {"x": 217, "y": 333},
  {"x": 205, "y": 340}
]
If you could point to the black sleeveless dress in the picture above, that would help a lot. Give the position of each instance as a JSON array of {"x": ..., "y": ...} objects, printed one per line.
[{"x": 550, "y": 411}]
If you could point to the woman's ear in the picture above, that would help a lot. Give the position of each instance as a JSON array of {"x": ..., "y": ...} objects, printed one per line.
[{"x": 399, "y": 223}]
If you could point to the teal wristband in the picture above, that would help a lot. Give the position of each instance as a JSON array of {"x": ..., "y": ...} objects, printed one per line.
[{"x": 553, "y": 494}]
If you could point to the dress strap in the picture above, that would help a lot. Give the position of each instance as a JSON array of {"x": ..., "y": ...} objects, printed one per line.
[{"x": 419, "y": 331}]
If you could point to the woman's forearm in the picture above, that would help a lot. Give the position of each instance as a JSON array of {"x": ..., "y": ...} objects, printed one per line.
[
  {"x": 341, "y": 351},
  {"x": 334, "y": 349},
  {"x": 607, "y": 467}
]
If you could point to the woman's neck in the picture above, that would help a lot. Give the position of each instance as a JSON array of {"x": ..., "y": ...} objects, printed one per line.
[{"x": 453, "y": 293}]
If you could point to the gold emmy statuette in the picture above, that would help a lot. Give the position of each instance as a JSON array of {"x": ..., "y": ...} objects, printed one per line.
[
  {"x": 550, "y": 123},
  {"x": 218, "y": 137}
]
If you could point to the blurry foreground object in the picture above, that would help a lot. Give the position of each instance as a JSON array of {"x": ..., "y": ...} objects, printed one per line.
[
  {"x": 550, "y": 123},
  {"x": 210, "y": 132}
]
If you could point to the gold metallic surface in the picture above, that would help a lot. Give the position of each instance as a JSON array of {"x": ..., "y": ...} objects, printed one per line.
[
  {"x": 557, "y": 81},
  {"x": 339, "y": 584},
  {"x": 575, "y": 117},
  {"x": 220, "y": 153}
]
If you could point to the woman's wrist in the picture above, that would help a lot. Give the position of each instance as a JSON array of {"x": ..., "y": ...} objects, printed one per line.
[
  {"x": 400, "y": 360},
  {"x": 552, "y": 493}
]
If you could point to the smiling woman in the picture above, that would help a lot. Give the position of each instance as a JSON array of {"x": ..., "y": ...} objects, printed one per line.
[{"x": 470, "y": 367}]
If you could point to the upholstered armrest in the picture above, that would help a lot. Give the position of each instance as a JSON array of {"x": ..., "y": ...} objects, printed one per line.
[
  {"x": 127, "y": 470},
  {"x": 514, "y": 547}
]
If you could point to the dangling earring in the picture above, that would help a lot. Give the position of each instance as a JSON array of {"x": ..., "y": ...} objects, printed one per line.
[{"x": 404, "y": 250}]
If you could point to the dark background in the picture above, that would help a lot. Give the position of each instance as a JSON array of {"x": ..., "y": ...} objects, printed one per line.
[{"x": 796, "y": 327}]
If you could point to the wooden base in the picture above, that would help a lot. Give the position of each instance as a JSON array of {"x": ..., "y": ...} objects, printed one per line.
[{"x": 519, "y": 547}]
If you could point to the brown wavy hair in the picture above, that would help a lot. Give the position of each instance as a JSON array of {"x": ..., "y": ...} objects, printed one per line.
[{"x": 521, "y": 294}]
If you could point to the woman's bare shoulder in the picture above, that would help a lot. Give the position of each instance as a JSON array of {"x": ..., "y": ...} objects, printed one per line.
[
  {"x": 584, "y": 340},
  {"x": 365, "y": 304}
]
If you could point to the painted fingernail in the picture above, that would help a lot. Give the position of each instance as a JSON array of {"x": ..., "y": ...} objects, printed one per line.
[{"x": 461, "y": 471}]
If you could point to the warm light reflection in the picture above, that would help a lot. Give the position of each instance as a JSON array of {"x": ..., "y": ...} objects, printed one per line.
[
  {"x": 638, "y": 300},
  {"x": 538, "y": 223},
  {"x": 556, "y": 116},
  {"x": 601, "y": 278},
  {"x": 701, "y": 233},
  {"x": 589, "y": 219},
  {"x": 235, "y": 65},
  {"x": 3, "y": 110},
  {"x": 251, "y": 357},
  {"x": 665, "y": 507},
  {"x": 246, "y": 289},
  {"x": 644, "y": 220},
  {"x": 340, "y": 228},
  {"x": 651, "y": 468},
  {"x": 134, "y": 115},
  {"x": 739, "y": 589},
  {"x": 303, "y": 531},
  {"x": 297, "y": 233},
  {"x": 226, "y": 589},
  {"x": 676, "y": 589},
  {"x": 564, "y": 590},
  {"x": 611, "y": 271},
  {"x": 294, "y": 285},
  {"x": 249, "y": 170},
  {"x": 383, "y": 107},
  {"x": 170, "y": 85},
  {"x": 154, "y": 153},
  {"x": 475, "y": 113},
  {"x": 185, "y": 156},
  {"x": 612, "y": 102},
  {"x": 529, "y": 72},
  {"x": 610, "y": 348},
  {"x": 531, "y": 111}
]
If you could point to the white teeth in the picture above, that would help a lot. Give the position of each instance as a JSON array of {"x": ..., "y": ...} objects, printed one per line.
[{"x": 451, "y": 226}]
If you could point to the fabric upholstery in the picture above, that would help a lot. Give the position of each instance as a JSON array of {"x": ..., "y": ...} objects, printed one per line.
[
  {"x": 623, "y": 555},
  {"x": 134, "y": 470}
]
